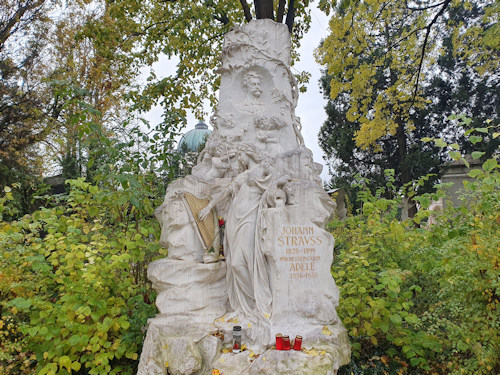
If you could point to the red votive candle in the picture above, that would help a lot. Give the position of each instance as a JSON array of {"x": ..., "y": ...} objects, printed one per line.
[
  {"x": 286, "y": 343},
  {"x": 297, "y": 345},
  {"x": 279, "y": 341}
]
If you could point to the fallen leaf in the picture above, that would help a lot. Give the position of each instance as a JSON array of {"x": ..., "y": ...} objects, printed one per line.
[{"x": 326, "y": 331}]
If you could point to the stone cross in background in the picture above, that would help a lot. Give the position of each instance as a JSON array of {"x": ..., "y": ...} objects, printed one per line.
[{"x": 275, "y": 276}]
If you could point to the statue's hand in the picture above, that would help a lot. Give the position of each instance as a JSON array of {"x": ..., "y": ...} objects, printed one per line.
[{"x": 205, "y": 212}]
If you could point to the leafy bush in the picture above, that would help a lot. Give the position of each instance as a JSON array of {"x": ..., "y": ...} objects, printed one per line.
[
  {"x": 417, "y": 299},
  {"x": 74, "y": 296}
]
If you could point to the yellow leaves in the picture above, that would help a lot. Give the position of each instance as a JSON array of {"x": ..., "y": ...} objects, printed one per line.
[
  {"x": 335, "y": 88},
  {"x": 226, "y": 350},
  {"x": 166, "y": 364},
  {"x": 249, "y": 325},
  {"x": 362, "y": 81},
  {"x": 312, "y": 352},
  {"x": 326, "y": 331}
]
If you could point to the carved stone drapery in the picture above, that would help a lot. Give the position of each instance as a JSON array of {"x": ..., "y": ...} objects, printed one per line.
[{"x": 275, "y": 278}]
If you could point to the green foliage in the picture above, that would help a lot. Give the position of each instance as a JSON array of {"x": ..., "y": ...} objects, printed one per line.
[
  {"x": 378, "y": 288},
  {"x": 73, "y": 288},
  {"x": 415, "y": 299},
  {"x": 394, "y": 72}
]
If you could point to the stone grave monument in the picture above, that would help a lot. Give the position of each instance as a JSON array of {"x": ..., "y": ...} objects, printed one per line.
[{"x": 244, "y": 232}]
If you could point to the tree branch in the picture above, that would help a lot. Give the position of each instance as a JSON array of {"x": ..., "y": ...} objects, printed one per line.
[
  {"x": 223, "y": 18},
  {"x": 424, "y": 45},
  {"x": 5, "y": 32},
  {"x": 424, "y": 8},
  {"x": 246, "y": 10}
]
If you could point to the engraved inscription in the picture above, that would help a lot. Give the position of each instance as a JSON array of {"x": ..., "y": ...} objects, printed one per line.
[{"x": 296, "y": 245}]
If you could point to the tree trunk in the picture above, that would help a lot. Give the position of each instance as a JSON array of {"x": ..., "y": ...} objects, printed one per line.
[
  {"x": 404, "y": 168},
  {"x": 281, "y": 11},
  {"x": 290, "y": 15},
  {"x": 264, "y": 9}
]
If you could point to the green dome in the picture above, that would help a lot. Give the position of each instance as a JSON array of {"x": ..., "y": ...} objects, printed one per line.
[{"x": 191, "y": 141}]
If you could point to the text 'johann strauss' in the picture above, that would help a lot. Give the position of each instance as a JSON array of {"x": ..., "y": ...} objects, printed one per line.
[{"x": 297, "y": 235}]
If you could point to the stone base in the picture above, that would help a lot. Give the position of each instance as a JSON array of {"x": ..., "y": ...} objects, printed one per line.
[
  {"x": 176, "y": 346},
  {"x": 277, "y": 363}
]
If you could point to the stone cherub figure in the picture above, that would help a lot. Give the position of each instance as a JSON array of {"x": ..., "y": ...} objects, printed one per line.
[{"x": 268, "y": 133}]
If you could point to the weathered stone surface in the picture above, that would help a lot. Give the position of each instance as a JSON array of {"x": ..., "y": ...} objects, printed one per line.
[
  {"x": 189, "y": 289},
  {"x": 277, "y": 363},
  {"x": 180, "y": 345},
  {"x": 210, "y": 347},
  {"x": 256, "y": 173}
]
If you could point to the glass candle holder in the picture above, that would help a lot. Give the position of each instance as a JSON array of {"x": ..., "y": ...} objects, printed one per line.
[
  {"x": 297, "y": 345},
  {"x": 236, "y": 339},
  {"x": 286, "y": 343},
  {"x": 279, "y": 341}
]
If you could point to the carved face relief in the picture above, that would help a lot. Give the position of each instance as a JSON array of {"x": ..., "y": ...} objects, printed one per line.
[{"x": 252, "y": 83}]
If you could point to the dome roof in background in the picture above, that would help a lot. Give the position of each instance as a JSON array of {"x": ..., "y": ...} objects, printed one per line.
[{"x": 191, "y": 141}]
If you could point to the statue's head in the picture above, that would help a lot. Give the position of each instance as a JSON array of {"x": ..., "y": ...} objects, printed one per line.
[{"x": 252, "y": 82}]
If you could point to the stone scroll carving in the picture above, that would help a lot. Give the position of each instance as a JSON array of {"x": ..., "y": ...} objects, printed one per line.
[{"x": 274, "y": 275}]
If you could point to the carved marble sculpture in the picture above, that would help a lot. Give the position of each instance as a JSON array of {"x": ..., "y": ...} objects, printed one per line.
[{"x": 255, "y": 173}]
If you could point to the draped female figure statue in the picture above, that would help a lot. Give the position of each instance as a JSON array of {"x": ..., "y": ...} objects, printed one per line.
[{"x": 247, "y": 278}]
